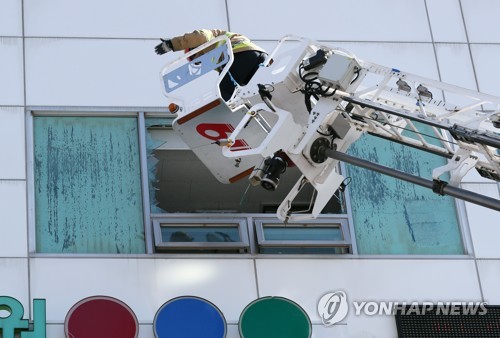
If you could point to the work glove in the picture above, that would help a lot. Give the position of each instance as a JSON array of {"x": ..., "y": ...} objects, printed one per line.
[{"x": 164, "y": 47}]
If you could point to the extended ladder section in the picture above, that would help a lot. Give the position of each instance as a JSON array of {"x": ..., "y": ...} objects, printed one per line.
[
  {"x": 312, "y": 101},
  {"x": 412, "y": 110}
]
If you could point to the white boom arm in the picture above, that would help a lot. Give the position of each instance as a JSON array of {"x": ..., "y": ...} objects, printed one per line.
[{"x": 309, "y": 99}]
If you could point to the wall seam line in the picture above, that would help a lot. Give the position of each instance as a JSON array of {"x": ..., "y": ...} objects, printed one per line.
[
  {"x": 26, "y": 138},
  {"x": 476, "y": 262}
]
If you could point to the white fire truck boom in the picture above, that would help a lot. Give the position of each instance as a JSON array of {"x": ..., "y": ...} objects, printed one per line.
[{"x": 309, "y": 102}]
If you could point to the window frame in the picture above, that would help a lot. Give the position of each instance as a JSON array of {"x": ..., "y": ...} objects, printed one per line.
[
  {"x": 77, "y": 111},
  {"x": 188, "y": 221},
  {"x": 141, "y": 113},
  {"x": 341, "y": 222}
]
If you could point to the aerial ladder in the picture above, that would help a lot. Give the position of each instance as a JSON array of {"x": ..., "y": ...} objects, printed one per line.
[{"x": 309, "y": 102}]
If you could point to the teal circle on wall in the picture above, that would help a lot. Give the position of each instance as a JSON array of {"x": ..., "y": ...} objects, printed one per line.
[{"x": 274, "y": 317}]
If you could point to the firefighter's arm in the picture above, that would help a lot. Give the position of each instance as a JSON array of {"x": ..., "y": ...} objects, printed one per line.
[{"x": 192, "y": 40}]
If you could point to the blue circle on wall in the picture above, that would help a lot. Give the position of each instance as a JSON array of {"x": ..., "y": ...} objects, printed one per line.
[{"x": 187, "y": 317}]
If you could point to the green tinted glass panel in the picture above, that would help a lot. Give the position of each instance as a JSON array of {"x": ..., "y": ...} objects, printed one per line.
[
  {"x": 153, "y": 163},
  {"x": 396, "y": 217},
  {"x": 200, "y": 234},
  {"x": 304, "y": 250},
  {"x": 274, "y": 317},
  {"x": 87, "y": 185},
  {"x": 302, "y": 233}
]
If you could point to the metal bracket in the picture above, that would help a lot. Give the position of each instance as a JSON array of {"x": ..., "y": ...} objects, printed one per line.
[{"x": 458, "y": 166}]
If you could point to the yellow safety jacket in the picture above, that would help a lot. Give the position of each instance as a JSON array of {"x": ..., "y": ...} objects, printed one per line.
[{"x": 239, "y": 43}]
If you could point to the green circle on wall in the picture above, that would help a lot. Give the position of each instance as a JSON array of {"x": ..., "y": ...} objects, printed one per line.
[{"x": 274, "y": 317}]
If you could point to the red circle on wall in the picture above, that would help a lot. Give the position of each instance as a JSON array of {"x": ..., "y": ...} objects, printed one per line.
[{"x": 101, "y": 317}]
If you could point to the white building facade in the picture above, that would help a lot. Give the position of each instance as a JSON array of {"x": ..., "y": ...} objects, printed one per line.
[{"x": 93, "y": 181}]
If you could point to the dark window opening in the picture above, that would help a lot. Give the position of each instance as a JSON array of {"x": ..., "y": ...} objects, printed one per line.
[{"x": 184, "y": 185}]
